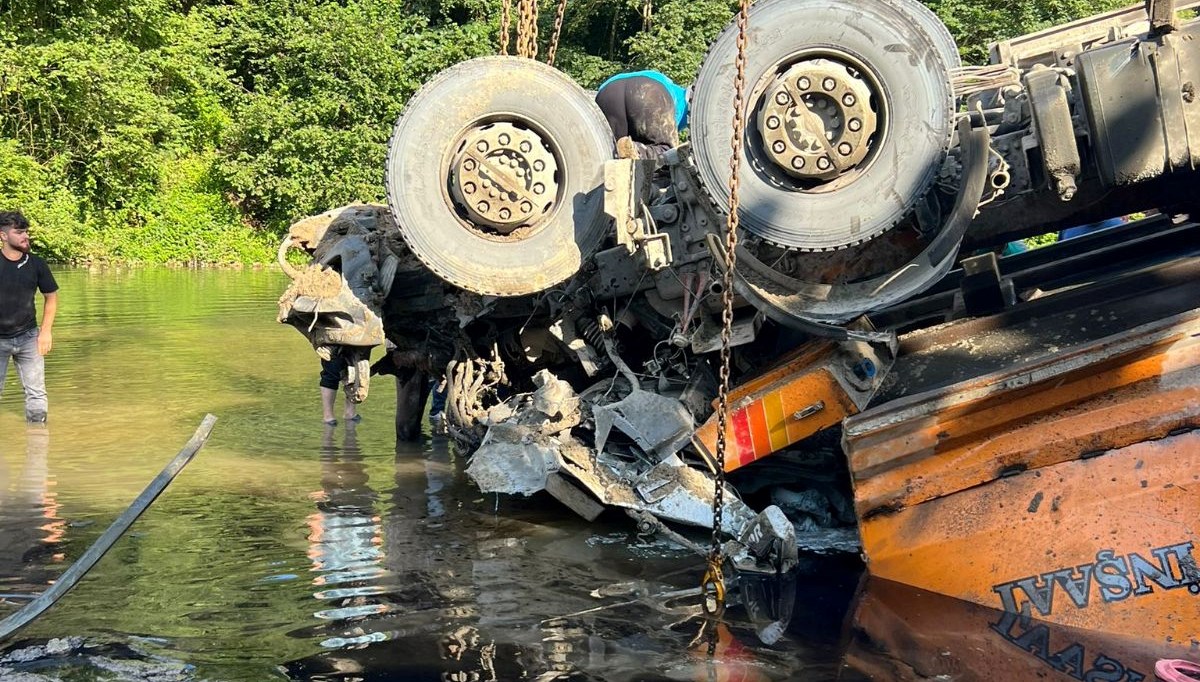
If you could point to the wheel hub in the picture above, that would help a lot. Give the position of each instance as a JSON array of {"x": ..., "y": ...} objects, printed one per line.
[
  {"x": 817, "y": 119},
  {"x": 503, "y": 177}
]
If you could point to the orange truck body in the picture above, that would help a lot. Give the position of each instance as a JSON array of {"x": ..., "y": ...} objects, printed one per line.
[{"x": 1065, "y": 489}]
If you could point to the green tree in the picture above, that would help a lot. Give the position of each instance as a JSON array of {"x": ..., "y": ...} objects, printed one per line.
[{"x": 197, "y": 130}]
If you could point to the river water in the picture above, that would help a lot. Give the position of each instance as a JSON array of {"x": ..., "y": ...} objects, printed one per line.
[{"x": 289, "y": 550}]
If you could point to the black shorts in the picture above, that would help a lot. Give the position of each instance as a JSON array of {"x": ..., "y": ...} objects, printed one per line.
[{"x": 332, "y": 371}]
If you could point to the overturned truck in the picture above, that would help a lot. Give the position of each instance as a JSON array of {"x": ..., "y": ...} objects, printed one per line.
[{"x": 965, "y": 419}]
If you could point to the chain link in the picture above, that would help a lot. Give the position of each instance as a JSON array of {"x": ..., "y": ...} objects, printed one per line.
[
  {"x": 505, "y": 24},
  {"x": 716, "y": 558},
  {"x": 527, "y": 29},
  {"x": 558, "y": 23}
]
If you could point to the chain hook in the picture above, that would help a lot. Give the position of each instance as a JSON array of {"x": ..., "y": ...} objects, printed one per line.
[
  {"x": 713, "y": 576},
  {"x": 712, "y": 587}
]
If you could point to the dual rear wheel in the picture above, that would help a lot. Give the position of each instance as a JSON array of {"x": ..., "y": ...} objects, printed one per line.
[{"x": 495, "y": 169}]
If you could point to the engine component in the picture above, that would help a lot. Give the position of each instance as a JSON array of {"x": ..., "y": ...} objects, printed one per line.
[
  {"x": 495, "y": 175},
  {"x": 1052, "y": 117},
  {"x": 852, "y": 123}
]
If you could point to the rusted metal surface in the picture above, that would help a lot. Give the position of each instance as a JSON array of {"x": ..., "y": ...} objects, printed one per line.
[
  {"x": 901, "y": 634},
  {"x": 1065, "y": 488},
  {"x": 1117, "y": 392}
]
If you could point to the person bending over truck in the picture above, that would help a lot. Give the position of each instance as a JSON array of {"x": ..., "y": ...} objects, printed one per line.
[
  {"x": 646, "y": 110},
  {"x": 21, "y": 339}
]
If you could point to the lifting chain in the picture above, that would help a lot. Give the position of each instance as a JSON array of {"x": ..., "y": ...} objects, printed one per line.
[
  {"x": 505, "y": 24},
  {"x": 713, "y": 585},
  {"x": 558, "y": 23},
  {"x": 527, "y": 28}
]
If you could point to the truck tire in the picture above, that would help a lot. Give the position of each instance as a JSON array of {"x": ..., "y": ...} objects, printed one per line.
[
  {"x": 540, "y": 131},
  {"x": 892, "y": 50}
]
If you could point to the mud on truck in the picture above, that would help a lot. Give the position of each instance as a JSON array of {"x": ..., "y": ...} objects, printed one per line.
[{"x": 887, "y": 364}]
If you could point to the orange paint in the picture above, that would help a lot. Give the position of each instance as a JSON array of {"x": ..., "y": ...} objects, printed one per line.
[
  {"x": 776, "y": 420},
  {"x": 1068, "y": 487},
  {"x": 758, "y": 428},
  {"x": 777, "y": 409}
]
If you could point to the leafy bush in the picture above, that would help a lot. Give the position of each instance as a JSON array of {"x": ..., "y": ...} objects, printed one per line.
[{"x": 195, "y": 131}]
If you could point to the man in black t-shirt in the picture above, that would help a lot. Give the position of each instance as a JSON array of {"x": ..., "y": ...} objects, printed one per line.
[{"x": 21, "y": 275}]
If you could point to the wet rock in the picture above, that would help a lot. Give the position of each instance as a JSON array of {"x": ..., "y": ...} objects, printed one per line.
[
  {"x": 54, "y": 647},
  {"x": 69, "y": 658}
]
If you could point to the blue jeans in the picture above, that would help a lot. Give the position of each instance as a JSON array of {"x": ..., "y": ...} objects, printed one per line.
[{"x": 31, "y": 369}]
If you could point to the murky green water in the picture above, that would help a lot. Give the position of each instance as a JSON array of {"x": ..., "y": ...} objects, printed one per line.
[{"x": 290, "y": 549}]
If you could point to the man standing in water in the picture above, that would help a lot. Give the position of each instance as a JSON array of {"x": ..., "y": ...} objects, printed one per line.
[{"x": 21, "y": 275}]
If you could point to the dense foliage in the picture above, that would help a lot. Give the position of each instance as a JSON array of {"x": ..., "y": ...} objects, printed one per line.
[{"x": 195, "y": 131}]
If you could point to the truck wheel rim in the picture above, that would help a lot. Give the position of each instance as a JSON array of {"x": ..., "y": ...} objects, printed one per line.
[
  {"x": 819, "y": 118},
  {"x": 503, "y": 176}
]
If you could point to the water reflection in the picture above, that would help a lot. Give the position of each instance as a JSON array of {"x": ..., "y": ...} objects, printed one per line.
[
  {"x": 433, "y": 588},
  {"x": 901, "y": 633},
  {"x": 30, "y": 528},
  {"x": 345, "y": 537}
]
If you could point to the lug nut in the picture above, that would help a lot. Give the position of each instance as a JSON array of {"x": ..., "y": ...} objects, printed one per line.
[
  {"x": 525, "y": 146},
  {"x": 778, "y": 147},
  {"x": 526, "y": 207},
  {"x": 773, "y": 122},
  {"x": 505, "y": 214},
  {"x": 848, "y": 99},
  {"x": 482, "y": 146},
  {"x": 539, "y": 188},
  {"x": 804, "y": 83},
  {"x": 823, "y": 163},
  {"x": 469, "y": 188},
  {"x": 539, "y": 165},
  {"x": 483, "y": 207},
  {"x": 782, "y": 99},
  {"x": 845, "y": 149},
  {"x": 829, "y": 84},
  {"x": 854, "y": 125},
  {"x": 469, "y": 165},
  {"x": 797, "y": 162},
  {"x": 504, "y": 138}
]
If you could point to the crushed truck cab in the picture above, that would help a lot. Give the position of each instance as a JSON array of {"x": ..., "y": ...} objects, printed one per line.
[{"x": 1013, "y": 431}]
